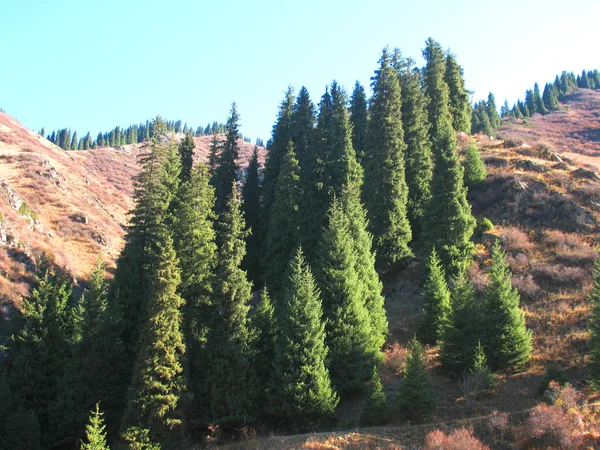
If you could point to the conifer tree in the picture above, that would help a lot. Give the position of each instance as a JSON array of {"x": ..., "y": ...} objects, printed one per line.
[
  {"x": 282, "y": 236},
  {"x": 516, "y": 112},
  {"x": 460, "y": 336},
  {"x": 95, "y": 432},
  {"x": 474, "y": 167},
  {"x": 506, "y": 339},
  {"x": 418, "y": 158},
  {"x": 481, "y": 120},
  {"x": 227, "y": 169},
  {"x": 459, "y": 103},
  {"x": 301, "y": 391},
  {"x": 436, "y": 301},
  {"x": 492, "y": 111},
  {"x": 353, "y": 345},
  {"x": 537, "y": 99},
  {"x": 302, "y": 128},
  {"x": 550, "y": 98},
  {"x": 359, "y": 116},
  {"x": 481, "y": 369},
  {"x": 530, "y": 103},
  {"x": 448, "y": 223},
  {"x": 594, "y": 325},
  {"x": 416, "y": 397},
  {"x": 186, "y": 152},
  {"x": 157, "y": 381},
  {"x": 213, "y": 153},
  {"x": 385, "y": 192},
  {"x": 375, "y": 408},
  {"x": 228, "y": 351},
  {"x": 505, "y": 110},
  {"x": 252, "y": 197},
  {"x": 74, "y": 142}
]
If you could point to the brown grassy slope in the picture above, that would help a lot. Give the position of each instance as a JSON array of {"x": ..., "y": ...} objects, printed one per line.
[{"x": 79, "y": 199}]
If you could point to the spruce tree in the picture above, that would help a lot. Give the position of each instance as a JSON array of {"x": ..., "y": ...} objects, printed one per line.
[
  {"x": 481, "y": 120},
  {"x": 353, "y": 345},
  {"x": 530, "y": 103},
  {"x": 301, "y": 391},
  {"x": 359, "y": 116},
  {"x": 459, "y": 338},
  {"x": 537, "y": 99},
  {"x": 416, "y": 397},
  {"x": 594, "y": 325},
  {"x": 492, "y": 111},
  {"x": 460, "y": 104},
  {"x": 302, "y": 128},
  {"x": 282, "y": 236},
  {"x": 95, "y": 432},
  {"x": 418, "y": 158},
  {"x": 448, "y": 223},
  {"x": 550, "y": 98},
  {"x": 157, "y": 381},
  {"x": 474, "y": 167},
  {"x": 186, "y": 152},
  {"x": 228, "y": 355},
  {"x": 436, "y": 301},
  {"x": 506, "y": 339},
  {"x": 385, "y": 192},
  {"x": 213, "y": 153},
  {"x": 375, "y": 408},
  {"x": 252, "y": 198},
  {"x": 227, "y": 169}
]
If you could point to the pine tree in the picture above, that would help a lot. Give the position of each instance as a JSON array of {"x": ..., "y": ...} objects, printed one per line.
[
  {"x": 481, "y": 370},
  {"x": 537, "y": 99},
  {"x": 252, "y": 196},
  {"x": 460, "y": 336},
  {"x": 186, "y": 152},
  {"x": 302, "y": 128},
  {"x": 594, "y": 325},
  {"x": 530, "y": 103},
  {"x": 459, "y": 102},
  {"x": 157, "y": 381},
  {"x": 481, "y": 120},
  {"x": 418, "y": 158},
  {"x": 506, "y": 340},
  {"x": 492, "y": 111},
  {"x": 353, "y": 346},
  {"x": 416, "y": 397},
  {"x": 550, "y": 98},
  {"x": 474, "y": 167},
  {"x": 359, "y": 116},
  {"x": 228, "y": 352},
  {"x": 301, "y": 391},
  {"x": 505, "y": 110},
  {"x": 448, "y": 223},
  {"x": 375, "y": 409},
  {"x": 436, "y": 301},
  {"x": 213, "y": 153},
  {"x": 227, "y": 169},
  {"x": 385, "y": 191},
  {"x": 95, "y": 432},
  {"x": 282, "y": 236},
  {"x": 74, "y": 142}
]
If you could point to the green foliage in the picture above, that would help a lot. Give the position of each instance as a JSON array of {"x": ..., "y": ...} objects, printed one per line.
[
  {"x": 353, "y": 344},
  {"x": 302, "y": 128},
  {"x": 186, "y": 152},
  {"x": 95, "y": 432},
  {"x": 301, "y": 392},
  {"x": 553, "y": 373},
  {"x": 594, "y": 325},
  {"x": 480, "y": 120},
  {"x": 506, "y": 339},
  {"x": 484, "y": 226},
  {"x": 418, "y": 158},
  {"x": 492, "y": 111},
  {"x": 252, "y": 198},
  {"x": 138, "y": 438},
  {"x": 474, "y": 167},
  {"x": 436, "y": 301},
  {"x": 227, "y": 168},
  {"x": 359, "y": 116},
  {"x": 481, "y": 370},
  {"x": 550, "y": 97},
  {"x": 25, "y": 210},
  {"x": 416, "y": 397},
  {"x": 459, "y": 101},
  {"x": 213, "y": 153},
  {"x": 386, "y": 193},
  {"x": 375, "y": 410},
  {"x": 282, "y": 236},
  {"x": 448, "y": 223},
  {"x": 228, "y": 355},
  {"x": 460, "y": 336}
]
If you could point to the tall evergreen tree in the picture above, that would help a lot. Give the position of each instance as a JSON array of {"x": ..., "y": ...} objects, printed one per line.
[
  {"x": 282, "y": 236},
  {"x": 492, "y": 111},
  {"x": 475, "y": 172},
  {"x": 252, "y": 196},
  {"x": 186, "y": 152},
  {"x": 537, "y": 99},
  {"x": 448, "y": 223},
  {"x": 359, "y": 116},
  {"x": 550, "y": 98},
  {"x": 213, "y": 153},
  {"x": 227, "y": 169},
  {"x": 460, "y": 105},
  {"x": 481, "y": 122},
  {"x": 301, "y": 391},
  {"x": 353, "y": 344},
  {"x": 506, "y": 339},
  {"x": 385, "y": 191},
  {"x": 530, "y": 103},
  {"x": 436, "y": 301},
  {"x": 95, "y": 432},
  {"x": 74, "y": 142},
  {"x": 416, "y": 397},
  {"x": 228, "y": 355},
  {"x": 594, "y": 325},
  {"x": 418, "y": 158},
  {"x": 302, "y": 127}
]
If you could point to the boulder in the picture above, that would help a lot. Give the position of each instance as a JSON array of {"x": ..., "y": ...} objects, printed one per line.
[
  {"x": 531, "y": 166},
  {"x": 585, "y": 174}
]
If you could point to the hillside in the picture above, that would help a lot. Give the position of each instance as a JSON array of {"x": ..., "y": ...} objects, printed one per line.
[{"x": 72, "y": 205}]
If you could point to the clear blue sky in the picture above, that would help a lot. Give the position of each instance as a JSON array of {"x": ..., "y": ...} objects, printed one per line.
[{"x": 90, "y": 65}]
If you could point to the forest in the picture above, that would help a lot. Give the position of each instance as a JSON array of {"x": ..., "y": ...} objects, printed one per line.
[{"x": 254, "y": 298}]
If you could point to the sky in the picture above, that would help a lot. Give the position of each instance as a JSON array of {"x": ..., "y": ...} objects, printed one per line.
[{"x": 91, "y": 65}]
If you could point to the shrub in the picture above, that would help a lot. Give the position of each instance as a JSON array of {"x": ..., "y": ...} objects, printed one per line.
[
  {"x": 513, "y": 142},
  {"x": 394, "y": 357},
  {"x": 526, "y": 286},
  {"x": 25, "y": 210},
  {"x": 552, "y": 427},
  {"x": 553, "y": 373},
  {"x": 459, "y": 439},
  {"x": 485, "y": 225},
  {"x": 495, "y": 161},
  {"x": 518, "y": 262},
  {"x": 516, "y": 240},
  {"x": 558, "y": 274},
  {"x": 498, "y": 423}
]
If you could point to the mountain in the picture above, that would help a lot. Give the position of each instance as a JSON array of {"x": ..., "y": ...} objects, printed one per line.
[{"x": 72, "y": 205}]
